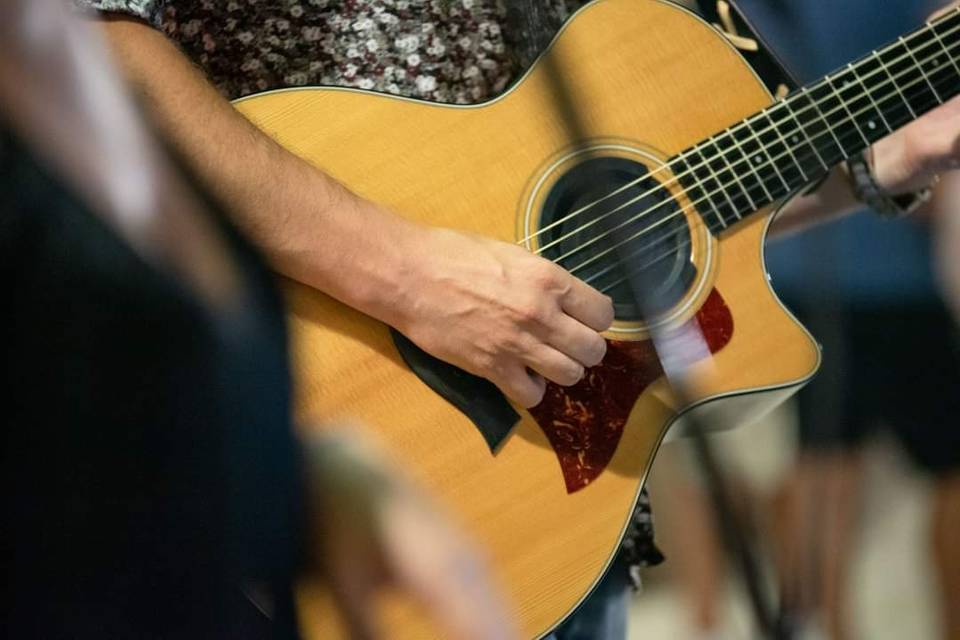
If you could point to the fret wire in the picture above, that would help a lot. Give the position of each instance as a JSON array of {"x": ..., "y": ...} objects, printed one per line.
[
  {"x": 947, "y": 17},
  {"x": 737, "y": 193},
  {"x": 819, "y": 130},
  {"x": 951, "y": 15},
  {"x": 792, "y": 114},
  {"x": 709, "y": 160},
  {"x": 887, "y": 82},
  {"x": 726, "y": 195},
  {"x": 813, "y": 147},
  {"x": 803, "y": 132},
  {"x": 893, "y": 80},
  {"x": 703, "y": 185},
  {"x": 869, "y": 95},
  {"x": 787, "y": 147},
  {"x": 843, "y": 103},
  {"x": 895, "y": 108},
  {"x": 816, "y": 107},
  {"x": 734, "y": 173},
  {"x": 916, "y": 88},
  {"x": 798, "y": 137},
  {"x": 764, "y": 149},
  {"x": 922, "y": 71},
  {"x": 944, "y": 21},
  {"x": 930, "y": 54},
  {"x": 874, "y": 55},
  {"x": 793, "y": 155},
  {"x": 787, "y": 104},
  {"x": 748, "y": 157},
  {"x": 712, "y": 159},
  {"x": 865, "y": 111},
  {"x": 943, "y": 46},
  {"x": 944, "y": 77}
]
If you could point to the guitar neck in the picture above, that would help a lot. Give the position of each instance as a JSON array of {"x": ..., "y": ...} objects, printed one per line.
[{"x": 800, "y": 138}]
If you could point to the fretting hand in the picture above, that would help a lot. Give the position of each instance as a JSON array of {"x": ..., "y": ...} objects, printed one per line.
[
  {"x": 912, "y": 158},
  {"x": 907, "y": 160}
]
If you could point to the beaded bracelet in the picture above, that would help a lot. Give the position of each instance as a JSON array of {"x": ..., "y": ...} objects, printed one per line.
[{"x": 867, "y": 191}]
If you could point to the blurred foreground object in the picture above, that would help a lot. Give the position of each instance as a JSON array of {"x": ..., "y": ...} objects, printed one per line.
[
  {"x": 372, "y": 529},
  {"x": 154, "y": 486}
]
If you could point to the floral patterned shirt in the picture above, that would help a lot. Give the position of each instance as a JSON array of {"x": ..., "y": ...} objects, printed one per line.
[{"x": 455, "y": 51}]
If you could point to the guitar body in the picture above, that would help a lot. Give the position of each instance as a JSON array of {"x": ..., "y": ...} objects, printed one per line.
[{"x": 650, "y": 79}]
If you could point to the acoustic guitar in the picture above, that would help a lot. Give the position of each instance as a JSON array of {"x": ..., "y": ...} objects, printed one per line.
[{"x": 676, "y": 165}]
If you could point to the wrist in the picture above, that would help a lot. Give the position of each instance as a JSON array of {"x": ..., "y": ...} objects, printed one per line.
[
  {"x": 382, "y": 269},
  {"x": 350, "y": 248},
  {"x": 870, "y": 191},
  {"x": 896, "y": 169}
]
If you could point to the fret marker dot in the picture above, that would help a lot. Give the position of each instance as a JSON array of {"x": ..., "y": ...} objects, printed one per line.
[
  {"x": 795, "y": 139},
  {"x": 758, "y": 159},
  {"x": 872, "y": 124}
]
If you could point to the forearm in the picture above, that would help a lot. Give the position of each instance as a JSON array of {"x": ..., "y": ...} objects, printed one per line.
[
  {"x": 489, "y": 307},
  {"x": 832, "y": 200},
  {"x": 310, "y": 227}
]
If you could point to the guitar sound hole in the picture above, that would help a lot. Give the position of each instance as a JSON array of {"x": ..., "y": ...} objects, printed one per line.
[{"x": 617, "y": 230}]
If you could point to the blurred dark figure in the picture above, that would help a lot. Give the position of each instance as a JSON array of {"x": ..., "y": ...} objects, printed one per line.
[
  {"x": 867, "y": 289},
  {"x": 153, "y": 483}
]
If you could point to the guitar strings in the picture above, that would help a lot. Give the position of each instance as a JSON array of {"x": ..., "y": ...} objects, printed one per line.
[
  {"x": 637, "y": 252},
  {"x": 892, "y": 79},
  {"x": 707, "y": 196},
  {"x": 730, "y": 132},
  {"x": 706, "y": 199},
  {"x": 651, "y": 262},
  {"x": 774, "y": 124},
  {"x": 681, "y": 212},
  {"x": 744, "y": 160},
  {"x": 630, "y": 271}
]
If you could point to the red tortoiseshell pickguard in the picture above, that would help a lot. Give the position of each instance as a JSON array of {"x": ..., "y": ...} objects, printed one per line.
[{"x": 584, "y": 422}]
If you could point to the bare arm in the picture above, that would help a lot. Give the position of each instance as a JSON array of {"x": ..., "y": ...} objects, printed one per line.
[
  {"x": 288, "y": 207},
  {"x": 488, "y": 307}
]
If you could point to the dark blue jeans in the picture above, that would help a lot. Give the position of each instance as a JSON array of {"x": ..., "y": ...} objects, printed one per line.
[{"x": 603, "y": 616}]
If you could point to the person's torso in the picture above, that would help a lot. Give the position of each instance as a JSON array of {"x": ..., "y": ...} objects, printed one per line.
[{"x": 456, "y": 51}]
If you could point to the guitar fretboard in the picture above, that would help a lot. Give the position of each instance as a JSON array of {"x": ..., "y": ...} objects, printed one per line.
[{"x": 800, "y": 138}]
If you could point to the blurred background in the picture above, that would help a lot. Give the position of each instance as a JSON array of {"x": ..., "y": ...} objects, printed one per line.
[{"x": 892, "y": 588}]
